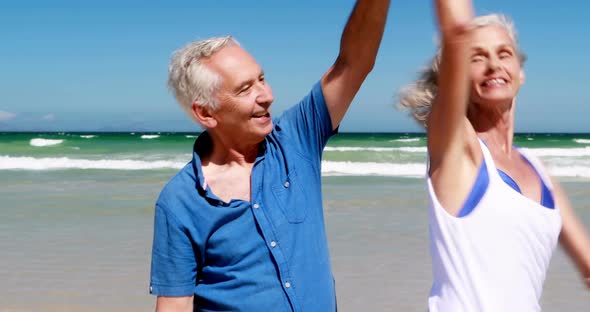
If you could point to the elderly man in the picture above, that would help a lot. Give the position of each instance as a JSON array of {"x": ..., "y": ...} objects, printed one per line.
[{"x": 241, "y": 227}]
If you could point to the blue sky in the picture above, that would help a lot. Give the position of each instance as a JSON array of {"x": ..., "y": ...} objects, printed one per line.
[{"x": 102, "y": 65}]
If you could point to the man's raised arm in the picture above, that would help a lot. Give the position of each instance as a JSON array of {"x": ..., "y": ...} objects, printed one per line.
[{"x": 358, "y": 50}]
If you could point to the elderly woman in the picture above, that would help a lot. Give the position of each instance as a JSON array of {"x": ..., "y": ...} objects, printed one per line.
[{"x": 495, "y": 214}]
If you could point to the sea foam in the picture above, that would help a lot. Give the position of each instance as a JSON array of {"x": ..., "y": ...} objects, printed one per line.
[
  {"x": 149, "y": 136},
  {"x": 406, "y": 140},
  {"x": 559, "y": 163},
  {"x": 569, "y": 171},
  {"x": 560, "y": 152},
  {"x": 54, "y": 163},
  {"x": 347, "y": 168},
  {"x": 375, "y": 149},
  {"x": 38, "y": 142}
]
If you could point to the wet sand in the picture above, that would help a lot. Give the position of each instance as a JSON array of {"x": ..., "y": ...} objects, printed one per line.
[{"x": 81, "y": 241}]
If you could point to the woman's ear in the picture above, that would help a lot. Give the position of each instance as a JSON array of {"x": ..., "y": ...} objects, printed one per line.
[{"x": 522, "y": 76}]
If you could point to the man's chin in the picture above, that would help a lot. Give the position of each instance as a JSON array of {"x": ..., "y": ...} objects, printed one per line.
[{"x": 266, "y": 133}]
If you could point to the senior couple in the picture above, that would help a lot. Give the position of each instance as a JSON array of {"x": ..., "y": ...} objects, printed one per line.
[{"x": 241, "y": 227}]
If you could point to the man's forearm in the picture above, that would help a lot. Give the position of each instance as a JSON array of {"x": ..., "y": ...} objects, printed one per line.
[
  {"x": 174, "y": 304},
  {"x": 363, "y": 33}
]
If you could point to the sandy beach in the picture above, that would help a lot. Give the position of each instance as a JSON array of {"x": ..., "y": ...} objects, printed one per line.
[{"x": 81, "y": 241}]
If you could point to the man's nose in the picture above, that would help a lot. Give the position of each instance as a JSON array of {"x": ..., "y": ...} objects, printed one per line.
[{"x": 265, "y": 94}]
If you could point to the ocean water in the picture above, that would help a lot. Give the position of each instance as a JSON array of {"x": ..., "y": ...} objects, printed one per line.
[
  {"x": 395, "y": 155},
  {"x": 76, "y": 213}
]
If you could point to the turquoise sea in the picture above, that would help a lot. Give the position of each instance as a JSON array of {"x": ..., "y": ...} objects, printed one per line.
[
  {"x": 349, "y": 154},
  {"x": 76, "y": 213}
]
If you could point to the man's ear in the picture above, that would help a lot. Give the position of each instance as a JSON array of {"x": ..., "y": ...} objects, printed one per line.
[{"x": 203, "y": 115}]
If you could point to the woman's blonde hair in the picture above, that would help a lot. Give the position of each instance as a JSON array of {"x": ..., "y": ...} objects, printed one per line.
[{"x": 418, "y": 96}]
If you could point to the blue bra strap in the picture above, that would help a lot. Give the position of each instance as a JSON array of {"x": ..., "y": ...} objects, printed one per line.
[
  {"x": 546, "y": 196},
  {"x": 506, "y": 178},
  {"x": 479, "y": 189}
]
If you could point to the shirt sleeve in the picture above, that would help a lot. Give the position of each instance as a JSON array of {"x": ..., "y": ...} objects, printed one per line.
[
  {"x": 308, "y": 123},
  {"x": 174, "y": 265}
]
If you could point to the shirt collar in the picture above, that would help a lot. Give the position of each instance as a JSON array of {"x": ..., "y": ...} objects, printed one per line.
[{"x": 203, "y": 145}]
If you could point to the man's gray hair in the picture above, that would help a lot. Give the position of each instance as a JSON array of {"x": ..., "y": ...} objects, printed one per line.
[{"x": 190, "y": 80}]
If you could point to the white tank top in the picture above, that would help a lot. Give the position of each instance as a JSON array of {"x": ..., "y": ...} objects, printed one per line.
[{"x": 495, "y": 258}]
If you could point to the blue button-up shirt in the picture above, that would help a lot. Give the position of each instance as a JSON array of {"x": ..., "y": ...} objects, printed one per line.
[{"x": 270, "y": 254}]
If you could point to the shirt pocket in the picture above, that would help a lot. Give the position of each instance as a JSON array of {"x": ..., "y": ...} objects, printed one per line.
[{"x": 291, "y": 199}]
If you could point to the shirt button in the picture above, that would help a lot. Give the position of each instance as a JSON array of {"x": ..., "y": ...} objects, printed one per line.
[
  {"x": 151, "y": 289},
  {"x": 256, "y": 206},
  {"x": 288, "y": 285},
  {"x": 287, "y": 184},
  {"x": 273, "y": 244}
]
